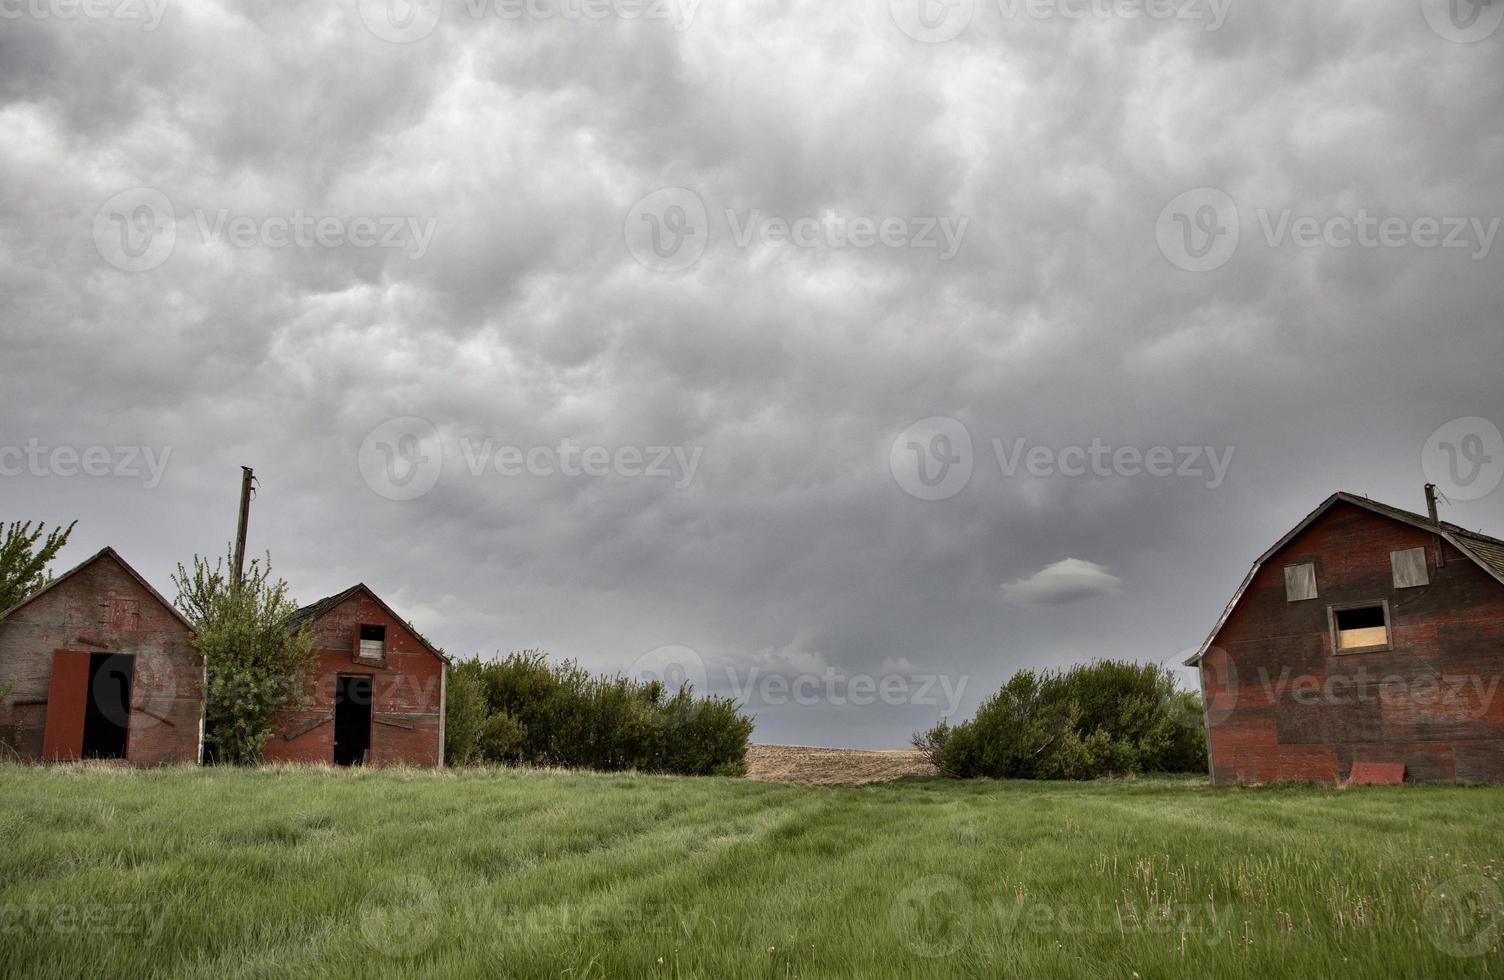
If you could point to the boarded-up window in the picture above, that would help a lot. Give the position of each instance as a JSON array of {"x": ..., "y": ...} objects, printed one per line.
[
  {"x": 1361, "y": 628},
  {"x": 1410, "y": 568},
  {"x": 1300, "y": 582},
  {"x": 372, "y": 642}
]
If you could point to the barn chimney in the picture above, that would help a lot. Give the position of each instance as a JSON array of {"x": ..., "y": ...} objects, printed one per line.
[
  {"x": 1435, "y": 519},
  {"x": 247, "y": 480}
]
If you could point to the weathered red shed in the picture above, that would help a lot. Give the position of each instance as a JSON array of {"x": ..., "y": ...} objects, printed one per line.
[
  {"x": 102, "y": 667},
  {"x": 1368, "y": 634},
  {"x": 378, "y": 691}
]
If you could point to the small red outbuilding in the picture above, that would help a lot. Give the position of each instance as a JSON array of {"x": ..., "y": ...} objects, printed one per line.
[
  {"x": 378, "y": 694},
  {"x": 101, "y": 667}
]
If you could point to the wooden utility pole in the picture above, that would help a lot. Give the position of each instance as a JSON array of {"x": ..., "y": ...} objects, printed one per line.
[{"x": 247, "y": 488}]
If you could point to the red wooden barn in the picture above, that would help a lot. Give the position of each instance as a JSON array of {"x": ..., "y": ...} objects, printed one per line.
[
  {"x": 1368, "y": 636},
  {"x": 378, "y": 694},
  {"x": 103, "y": 667}
]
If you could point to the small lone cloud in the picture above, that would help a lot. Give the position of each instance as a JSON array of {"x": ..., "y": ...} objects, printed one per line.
[{"x": 1061, "y": 584}]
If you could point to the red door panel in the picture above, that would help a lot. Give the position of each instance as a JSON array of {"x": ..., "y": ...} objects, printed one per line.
[{"x": 67, "y": 696}]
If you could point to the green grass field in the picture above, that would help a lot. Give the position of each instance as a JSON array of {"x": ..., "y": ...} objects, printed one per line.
[{"x": 286, "y": 872}]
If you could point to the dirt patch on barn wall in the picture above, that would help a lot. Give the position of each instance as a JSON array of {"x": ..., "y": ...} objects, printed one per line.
[{"x": 833, "y": 767}]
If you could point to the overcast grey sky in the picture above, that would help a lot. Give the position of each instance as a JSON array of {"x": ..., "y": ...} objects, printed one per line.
[{"x": 819, "y": 339}]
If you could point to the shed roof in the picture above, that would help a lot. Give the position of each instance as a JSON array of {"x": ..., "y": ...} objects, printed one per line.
[
  {"x": 1485, "y": 551},
  {"x": 106, "y": 552},
  {"x": 315, "y": 610}
]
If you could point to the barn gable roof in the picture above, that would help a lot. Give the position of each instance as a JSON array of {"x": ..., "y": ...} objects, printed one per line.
[
  {"x": 106, "y": 552},
  {"x": 1485, "y": 551},
  {"x": 315, "y": 610}
]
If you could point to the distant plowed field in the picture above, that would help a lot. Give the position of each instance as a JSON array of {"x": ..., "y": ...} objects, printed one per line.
[{"x": 833, "y": 767}]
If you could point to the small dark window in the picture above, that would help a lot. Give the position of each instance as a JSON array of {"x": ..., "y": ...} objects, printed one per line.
[
  {"x": 1362, "y": 628},
  {"x": 372, "y": 642}
]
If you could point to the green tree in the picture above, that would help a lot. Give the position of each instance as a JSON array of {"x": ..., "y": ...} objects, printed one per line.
[
  {"x": 257, "y": 661},
  {"x": 24, "y": 557}
]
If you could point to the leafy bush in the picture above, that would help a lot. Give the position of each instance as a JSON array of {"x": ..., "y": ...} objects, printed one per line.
[
  {"x": 1106, "y": 718},
  {"x": 535, "y": 712},
  {"x": 464, "y": 714},
  {"x": 256, "y": 663}
]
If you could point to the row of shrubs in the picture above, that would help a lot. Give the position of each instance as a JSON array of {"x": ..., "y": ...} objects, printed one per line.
[
  {"x": 1109, "y": 718},
  {"x": 526, "y": 710}
]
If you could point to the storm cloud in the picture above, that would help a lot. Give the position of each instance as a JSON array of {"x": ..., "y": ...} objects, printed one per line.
[{"x": 696, "y": 325}]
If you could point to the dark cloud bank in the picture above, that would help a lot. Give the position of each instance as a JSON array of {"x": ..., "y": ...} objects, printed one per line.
[{"x": 947, "y": 384}]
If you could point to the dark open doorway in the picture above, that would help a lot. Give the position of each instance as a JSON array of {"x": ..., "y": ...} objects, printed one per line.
[
  {"x": 352, "y": 719},
  {"x": 107, "y": 712}
]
